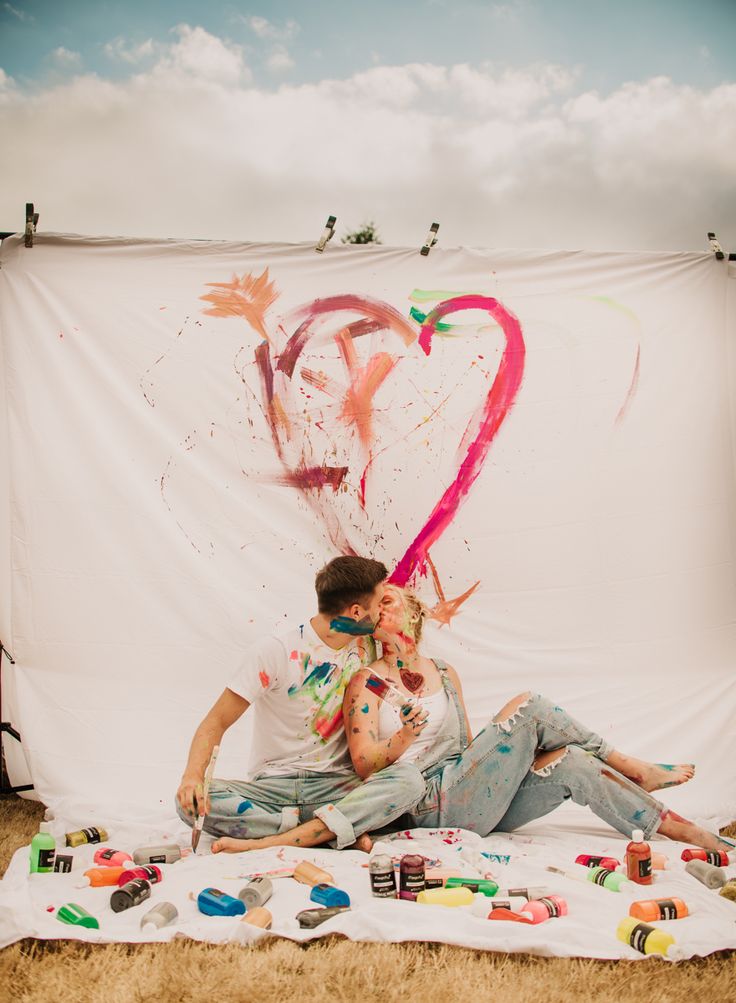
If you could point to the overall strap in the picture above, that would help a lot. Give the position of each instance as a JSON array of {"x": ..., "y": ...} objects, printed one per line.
[{"x": 440, "y": 664}]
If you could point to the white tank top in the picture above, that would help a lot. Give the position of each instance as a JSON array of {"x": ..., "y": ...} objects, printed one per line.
[{"x": 389, "y": 723}]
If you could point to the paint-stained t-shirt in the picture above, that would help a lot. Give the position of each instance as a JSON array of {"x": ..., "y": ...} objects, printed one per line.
[{"x": 296, "y": 684}]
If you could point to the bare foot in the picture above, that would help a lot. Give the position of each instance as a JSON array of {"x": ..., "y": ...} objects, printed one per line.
[
  {"x": 227, "y": 844},
  {"x": 685, "y": 831},
  {"x": 364, "y": 843},
  {"x": 652, "y": 776}
]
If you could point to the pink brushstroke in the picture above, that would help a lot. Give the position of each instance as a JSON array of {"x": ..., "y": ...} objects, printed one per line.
[
  {"x": 632, "y": 388},
  {"x": 500, "y": 398}
]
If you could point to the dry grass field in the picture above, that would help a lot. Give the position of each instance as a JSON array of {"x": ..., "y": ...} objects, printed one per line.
[{"x": 332, "y": 969}]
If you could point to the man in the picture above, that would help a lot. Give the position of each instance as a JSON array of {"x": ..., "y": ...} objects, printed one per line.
[{"x": 295, "y": 684}]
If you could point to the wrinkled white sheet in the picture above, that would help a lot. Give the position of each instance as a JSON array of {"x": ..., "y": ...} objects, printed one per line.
[{"x": 589, "y": 930}]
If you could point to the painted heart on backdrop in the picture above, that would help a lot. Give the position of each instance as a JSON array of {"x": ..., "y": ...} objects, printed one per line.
[{"x": 342, "y": 322}]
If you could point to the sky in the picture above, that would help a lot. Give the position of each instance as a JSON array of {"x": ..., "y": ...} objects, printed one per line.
[{"x": 559, "y": 124}]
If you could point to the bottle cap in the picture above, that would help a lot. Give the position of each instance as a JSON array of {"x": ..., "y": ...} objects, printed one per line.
[
  {"x": 637, "y": 836},
  {"x": 45, "y": 827}
]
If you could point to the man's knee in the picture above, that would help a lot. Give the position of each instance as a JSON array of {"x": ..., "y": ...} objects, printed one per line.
[{"x": 407, "y": 777}]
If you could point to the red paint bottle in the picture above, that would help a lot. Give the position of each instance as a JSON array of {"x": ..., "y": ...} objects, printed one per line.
[
  {"x": 411, "y": 876},
  {"x": 639, "y": 859},
  {"x": 716, "y": 857},
  {"x": 588, "y": 860}
]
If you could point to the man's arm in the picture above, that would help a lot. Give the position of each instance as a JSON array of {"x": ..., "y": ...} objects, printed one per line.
[{"x": 225, "y": 712}]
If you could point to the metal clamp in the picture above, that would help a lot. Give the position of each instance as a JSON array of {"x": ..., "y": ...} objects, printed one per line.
[
  {"x": 431, "y": 239},
  {"x": 327, "y": 234}
]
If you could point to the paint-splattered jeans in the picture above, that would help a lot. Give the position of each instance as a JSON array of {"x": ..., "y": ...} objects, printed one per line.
[
  {"x": 490, "y": 786},
  {"x": 347, "y": 805}
]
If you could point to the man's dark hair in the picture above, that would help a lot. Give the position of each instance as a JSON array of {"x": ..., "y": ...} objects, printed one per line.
[{"x": 347, "y": 580}]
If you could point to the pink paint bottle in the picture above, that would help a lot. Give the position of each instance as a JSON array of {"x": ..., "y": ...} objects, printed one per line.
[
  {"x": 149, "y": 873},
  {"x": 539, "y": 910},
  {"x": 107, "y": 857}
]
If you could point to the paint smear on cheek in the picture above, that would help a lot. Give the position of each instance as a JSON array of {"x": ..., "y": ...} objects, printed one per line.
[{"x": 265, "y": 679}]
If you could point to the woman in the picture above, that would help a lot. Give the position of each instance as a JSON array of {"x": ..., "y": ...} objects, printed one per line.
[{"x": 529, "y": 759}]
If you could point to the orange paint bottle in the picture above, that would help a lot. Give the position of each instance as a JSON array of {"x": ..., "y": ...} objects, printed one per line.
[
  {"x": 639, "y": 859},
  {"x": 100, "y": 877},
  {"x": 653, "y": 910}
]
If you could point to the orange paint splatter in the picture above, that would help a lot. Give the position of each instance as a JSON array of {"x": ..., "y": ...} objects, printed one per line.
[
  {"x": 248, "y": 297},
  {"x": 265, "y": 679}
]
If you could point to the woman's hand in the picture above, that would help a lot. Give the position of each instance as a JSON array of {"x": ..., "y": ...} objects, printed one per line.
[{"x": 413, "y": 720}]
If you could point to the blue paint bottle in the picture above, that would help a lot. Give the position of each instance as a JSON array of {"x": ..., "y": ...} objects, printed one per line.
[
  {"x": 329, "y": 896},
  {"x": 213, "y": 902}
]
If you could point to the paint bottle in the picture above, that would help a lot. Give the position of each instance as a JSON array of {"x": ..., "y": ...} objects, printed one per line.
[
  {"x": 258, "y": 917},
  {"x": 131, "y": 894},
  {"x": 711, "y": 877},
  {"x": 659, "y": 862},
  {"x": 437, "y": 877},
  {"x": 483, "y": 906},
  {"x": 716, "y": 857},
  {"x": 538, "y": 892},
  {"x": 309, "y": 874},
  {"x": 484, "y": 886},
  {"x": 639, "y": 859},
  {"x": 90, "y": 835},
  {"x": 329, "y": 896},
  {"x": 309, "y": 918},
  {"x": 163, "y": 914},
  {"x": 101, "y": 877},
  {"x": 445, "y": 896},
  {"x": 107, "y": 857},
  {"x": 587, "y": 860},
  {"x": 256, "y": 893},
  {"x": 651, "y": 910},
  {"x": 611, "y": 880},
  {"x": 168, "y": 853},
  {"x": 382, "y": 876},
  {"x": 213, "y": 902},
  {"x": 729, "y": 890},
  {"x": 647, "y": 939},
  {"x": 150, "y": 873},
  {"x": 75, "y": 915},
  {"x": 539, "y": 910},
  {"x": 411, "y": 876},
  {"x": 43, "y": 850}
]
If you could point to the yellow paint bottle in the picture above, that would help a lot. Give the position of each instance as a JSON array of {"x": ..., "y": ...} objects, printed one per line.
[
  {"x": 647, "y": 939},
  {"x": 446, "y": 896}
]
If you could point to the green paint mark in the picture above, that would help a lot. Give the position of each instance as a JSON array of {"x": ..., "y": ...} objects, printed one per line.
[{"x": 419, "y": 317}]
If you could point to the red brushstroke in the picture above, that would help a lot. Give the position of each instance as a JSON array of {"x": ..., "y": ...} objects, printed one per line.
[
  {"x": 314, "y": 478},
  {"x": 500, "y": 398},
  {"x": 632, "y": 388}
]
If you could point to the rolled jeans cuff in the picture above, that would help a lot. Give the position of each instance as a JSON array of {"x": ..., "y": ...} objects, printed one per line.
[
  {"x": 337, "y": 823},
  {"x": 289, "y": 818}
]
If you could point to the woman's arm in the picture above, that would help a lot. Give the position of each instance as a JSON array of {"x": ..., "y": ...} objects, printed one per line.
[
  {"x": 360, "y": 717},
  {"x": 455, "y": 678}
]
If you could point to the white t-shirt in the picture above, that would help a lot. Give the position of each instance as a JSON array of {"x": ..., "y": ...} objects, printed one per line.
[
  {"x": 389, "y": 723},
  {"x": 296, "y": 684}
]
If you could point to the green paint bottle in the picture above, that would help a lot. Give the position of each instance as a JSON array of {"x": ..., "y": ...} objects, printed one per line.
[{"x": 43, "y": 850}]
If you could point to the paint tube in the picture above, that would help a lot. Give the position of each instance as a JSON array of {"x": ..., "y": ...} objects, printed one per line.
[
  {"x": 309, "y": 918},
  {"x": 256, "y": 893},
  {"x": 90, "y": 835},
  {"x": 711, "y": 877},
  {"x": 167, "y": 853},
  {"x": 163, "y": 914}
]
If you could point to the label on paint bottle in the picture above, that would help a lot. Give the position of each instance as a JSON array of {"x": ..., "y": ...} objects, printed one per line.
[
  {"x": 667, "y": 909},
  {"x": 638, "y": 937},
  {"x": 63, "y": 862},
  {"x": 46, "y": 859},
  {"x": 551, "y": 906},
  {"x": 644, "y": 868},
  {"x": 600, "y": 877},
  {"x": 382, "y": 877}
]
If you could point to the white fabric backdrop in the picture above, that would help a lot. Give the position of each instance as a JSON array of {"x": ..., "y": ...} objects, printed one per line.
[{"x": 155, "y": 530}]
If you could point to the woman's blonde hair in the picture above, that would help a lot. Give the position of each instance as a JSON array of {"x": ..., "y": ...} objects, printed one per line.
[{"x": 416, "y": 608}]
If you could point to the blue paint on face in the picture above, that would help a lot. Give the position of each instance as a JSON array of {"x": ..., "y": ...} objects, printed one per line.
[
  {"x": 244, "y": 806},
  {"x": 356, "y": 628}
]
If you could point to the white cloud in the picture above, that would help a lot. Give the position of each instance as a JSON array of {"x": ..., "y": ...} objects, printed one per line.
[
  {"x": 263, "y": 28},
  {"x": 20, "y": 14},
  {"x": 65, "y": 59},
  {"x": 279, "y": 59},
  {"x": 499, "y": 157},
  {"x": 128, "y": 53}
]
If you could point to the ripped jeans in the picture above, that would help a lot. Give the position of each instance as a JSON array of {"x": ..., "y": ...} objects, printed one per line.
[{"x": 492, "y": 786}]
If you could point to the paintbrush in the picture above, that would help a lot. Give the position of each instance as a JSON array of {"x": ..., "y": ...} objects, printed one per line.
[{"x": 199, "y": 822}]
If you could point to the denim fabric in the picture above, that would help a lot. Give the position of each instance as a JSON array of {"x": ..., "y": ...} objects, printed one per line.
[
  {"x": 347, "y": 805},
  {"x": 584, "y": 779},
  {"x": 475, "y": 788}
]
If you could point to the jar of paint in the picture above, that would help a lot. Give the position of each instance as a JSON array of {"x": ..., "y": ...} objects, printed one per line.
[
  {"x": 150, "y": 873},
  {"x": 163, "y": 914},
  {"x": 445, "y": 896},
  {"x": 588, "y": 860},
  {"x": 167, "y": 853},
  {"x": 411, "y": 876},
  {"x": 639, "y": 859},
  {"x": 309, "y": 874},
  {"x": 539, "y": 910},
  {"x": 81, "y": 836},
  {"x": 716, "y": 857},
  {"x": 647, "y": 939},
  {"x": 43, "y": 850},
  {"x": 652, "y": 910},
  {"x": 611, "y": 880},
  {"x": 256, "y": 893},
  {"x": 382, "y": 876},
  {"x": 131, "y": 894},
  {"x": 101, "y": 877},
  {"x": 712, "y": 877},
  {"x": 107, "y": 857}
]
